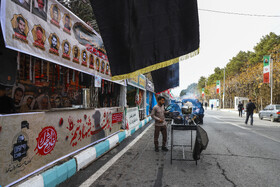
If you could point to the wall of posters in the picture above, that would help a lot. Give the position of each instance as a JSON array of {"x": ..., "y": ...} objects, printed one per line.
[
  {"x": 29, "y": 142},
  {"x": 47, "y": 30}
]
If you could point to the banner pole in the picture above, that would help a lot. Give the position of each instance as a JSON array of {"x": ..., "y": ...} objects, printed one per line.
[
  {"x": 224, "y": 88},
  {"x": 271, "y": 83}
]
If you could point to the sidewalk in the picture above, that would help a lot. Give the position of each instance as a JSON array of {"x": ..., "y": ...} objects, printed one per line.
[
  {"x": 60, "y": 173},
  {"x": 256, "y": 115}
]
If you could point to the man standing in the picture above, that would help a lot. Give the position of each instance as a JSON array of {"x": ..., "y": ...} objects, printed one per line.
[
  {"x": 250, "y": 107},
  {"x": 240, "y": 108},
  {"x": 160, "y": 123}
]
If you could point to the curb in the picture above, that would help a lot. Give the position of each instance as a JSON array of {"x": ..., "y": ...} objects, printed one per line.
[{"x": 61, "y": 173}]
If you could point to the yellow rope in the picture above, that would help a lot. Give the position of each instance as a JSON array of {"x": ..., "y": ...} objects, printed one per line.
[{"x": 155, "y": 66}]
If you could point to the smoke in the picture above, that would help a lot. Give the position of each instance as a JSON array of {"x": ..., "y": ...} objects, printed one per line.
[{"x": 190, "y": 99}]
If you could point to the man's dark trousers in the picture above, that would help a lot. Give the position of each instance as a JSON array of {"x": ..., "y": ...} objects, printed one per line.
[
  {"x": 240, "y": 113},
  {"x": 247, "y": 117},
  {"x": 163, "y": 130}
]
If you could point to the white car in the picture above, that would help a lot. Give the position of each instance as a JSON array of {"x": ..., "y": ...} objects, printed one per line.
[{"x": 271, "y": 112}]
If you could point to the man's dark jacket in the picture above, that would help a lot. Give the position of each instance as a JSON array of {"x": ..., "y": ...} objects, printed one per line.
[
  {"x": 240, "y": 106},
  {"x": 250, "y": 107}
]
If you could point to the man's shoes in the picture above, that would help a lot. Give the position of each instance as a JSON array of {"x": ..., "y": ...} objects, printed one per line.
[
  {"x": 164, "y": 149},
  {"x": 156, "y": 149}
]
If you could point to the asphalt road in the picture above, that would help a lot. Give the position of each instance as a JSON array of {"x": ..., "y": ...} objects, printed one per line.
[{"x": 237, "y": 155}]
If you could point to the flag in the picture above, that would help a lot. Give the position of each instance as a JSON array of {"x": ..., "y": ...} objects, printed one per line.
[
  {"x": 218, "y": 87},
  {"x": 166, "y": 78},
  {"x": 266, "y": 69},
  {"x": 146, "y": 35},
  {"x": 202, "y": 92}
]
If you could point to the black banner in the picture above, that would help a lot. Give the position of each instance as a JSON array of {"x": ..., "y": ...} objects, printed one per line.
[
  {"x": 142, "y": 36},
  {"x": 166, "y": 78}
]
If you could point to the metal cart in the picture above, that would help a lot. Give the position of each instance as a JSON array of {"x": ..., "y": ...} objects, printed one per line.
[{"x": 182, "y": 128}]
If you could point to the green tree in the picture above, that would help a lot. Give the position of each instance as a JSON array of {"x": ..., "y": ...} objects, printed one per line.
[
  {"x": 264, "y": 47},
  {"x": 217, "y": 75},
  {"x": 201, "y": 83},
  {"x": 236, "y": 63}
]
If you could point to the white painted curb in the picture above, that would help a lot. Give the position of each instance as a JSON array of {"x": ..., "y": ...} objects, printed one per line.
[
  {"x": 113, "y": 141},
  {"x": 84, "y": 158},
  {"x": 37, "y": 181}
]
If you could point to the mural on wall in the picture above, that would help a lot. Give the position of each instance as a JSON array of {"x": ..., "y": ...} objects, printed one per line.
[
  {"x": 19, "y": 158},
  {"x": 46, "y": 141},
  {"x": 88, "y": 126},
  {"x": 29, "y": 142}
]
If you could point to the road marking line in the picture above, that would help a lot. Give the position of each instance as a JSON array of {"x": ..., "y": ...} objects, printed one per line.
[
  {"x": 273, "y": 139},
  {"x": 266, "y": 136},
  {"x": 104, "y": 168},
  {"x": 230, "y": 123}
]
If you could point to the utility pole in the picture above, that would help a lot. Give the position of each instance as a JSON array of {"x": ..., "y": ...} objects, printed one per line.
[{"x": 224, "y": 88}]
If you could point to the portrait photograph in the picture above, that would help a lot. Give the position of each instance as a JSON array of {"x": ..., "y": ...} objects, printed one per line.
[
  {"x": 84, "y": 58},
  {"x": 39, "y": 37},
  {"x": 54, "y": 44},
  {"x": 23, "y": 3},
  {"x": 67, "y": 24},
  {"x": 91, "y": 61},
  {"x": 66, "y": 49},
  {"x": 39, "y": 8},
  {"x": 55, "y": 15},
  {"x": 20, "y": 27},
  {"x": 97, "y": 64},
  {"x": 76, "y": 54}
]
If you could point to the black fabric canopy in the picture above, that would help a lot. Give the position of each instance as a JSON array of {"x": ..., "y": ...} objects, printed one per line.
[
  {"x": 166, "y": 78},
  {"x": 144, "y": 35}
]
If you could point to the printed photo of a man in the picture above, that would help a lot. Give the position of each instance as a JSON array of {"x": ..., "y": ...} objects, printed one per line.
[
  {"x": 39, "y": 35},
  {"x": 39, "y": 8},
  {"x": 55, "y": 15},
  {"x": 21, "y": 24},
  {"x": 23, "y": 3},
  {"x": 67, "y": 23},
  {"x": 54, "y": 42}
]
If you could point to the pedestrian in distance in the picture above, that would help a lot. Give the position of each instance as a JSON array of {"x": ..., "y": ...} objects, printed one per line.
[
  {"x": 250, "y": 107},
  {"x": 206, "y": 105},
  {"x": 212, "y": 106},
  {"x": 160, "y": 123},
  {"x": 240, "y": 108}
]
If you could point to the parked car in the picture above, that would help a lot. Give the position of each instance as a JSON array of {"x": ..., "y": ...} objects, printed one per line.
[{"x": 271, "y": 112}]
